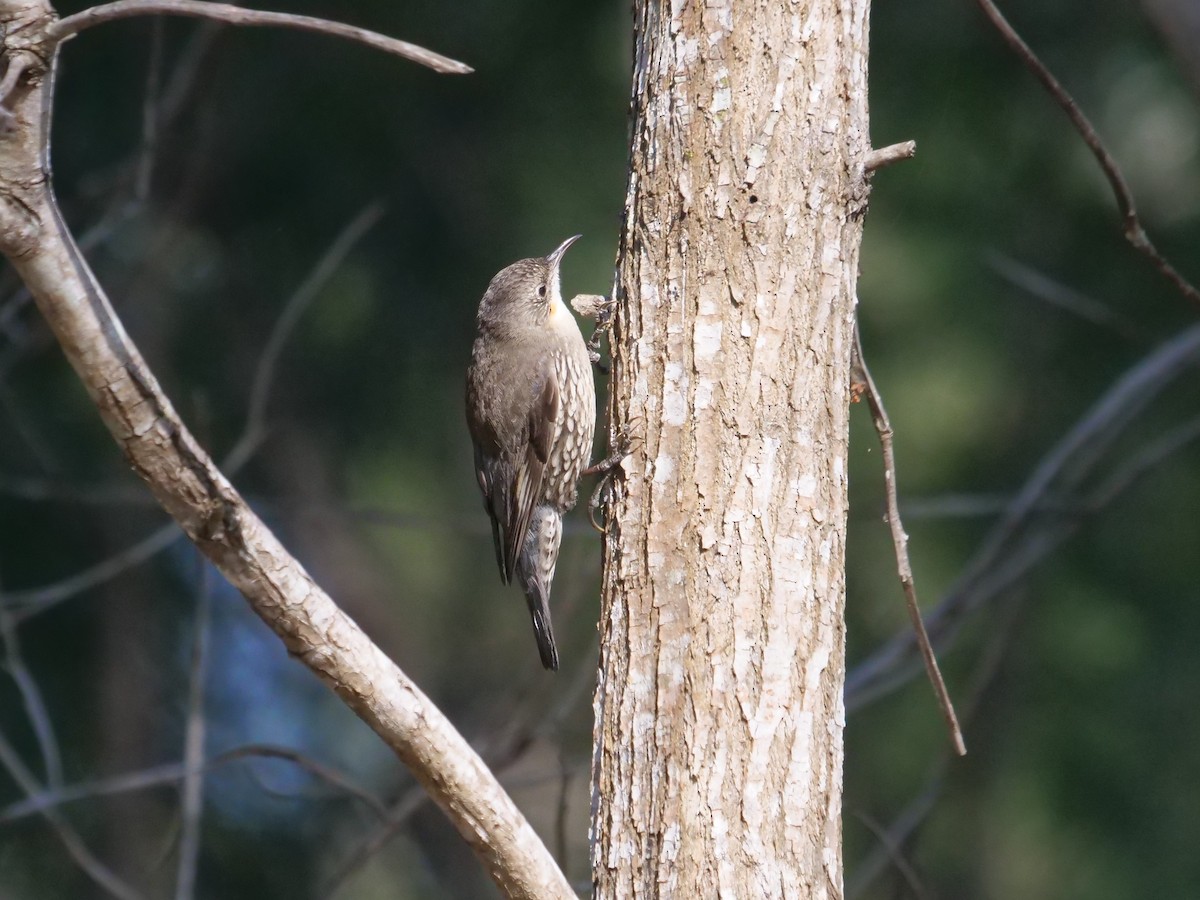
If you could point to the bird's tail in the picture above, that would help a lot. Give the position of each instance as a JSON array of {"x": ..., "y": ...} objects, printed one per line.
[
  {"x": 535, "y": 571},
  {"x": 539, "y": 611}
]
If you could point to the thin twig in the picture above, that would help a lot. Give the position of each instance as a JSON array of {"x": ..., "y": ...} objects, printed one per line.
[
  {"x": 143, "y": 779},
  {"x": 886, "y": 156},
  {"x": 264, "y": 375},
  {"x": 40, "y": 490},
  {"x": 144, "y": 170},
  {"x": 26, "y": 429},
  {"x": 320, "y": 770},
  {"x": 113, "y": 218},
  {"x": 192, "y": 805},
  {"x": 919, "y": 808},
  {"x": 1132, "y": 227},
  {"x": 565, "y": 771},
  {"x": 32, "y": 601},
  {"x": 502, "y": 750},
  {"x": 955, "y": 506},
  {"x": 173, "y": 773},
  {"x": 1021, "y": 537},
  {"x": 235, "y": 15},
  {"x": 185, "y": 76},
  {"x": 1041, "y": 536},
  {"x": 899, "y": 831},
  {"x": 1066, "y": 298},
  {"x": 46, "y": 489},
  {"x": 394, "y": 820},
  {"x": 332, "y": 777},
  {"x": 31, "y": 697},
  {"x": 70, "y": 839},
  {"x": 25, "y": 604},
  {"x": 1142, "y": 463},
  {"x": 896, "y": 854},
  {"x": 884, "y": 427},
  {"x": 1070, "y": 461}
]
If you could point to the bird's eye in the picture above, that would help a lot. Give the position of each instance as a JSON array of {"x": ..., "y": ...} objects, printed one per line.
[{"x": 541, "y": 290}]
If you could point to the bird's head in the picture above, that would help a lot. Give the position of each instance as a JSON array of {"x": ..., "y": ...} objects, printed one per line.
[{"x": 526, "y": 293}]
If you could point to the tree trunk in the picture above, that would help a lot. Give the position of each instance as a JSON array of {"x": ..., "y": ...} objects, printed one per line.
[{"x": 719, "y": 710}]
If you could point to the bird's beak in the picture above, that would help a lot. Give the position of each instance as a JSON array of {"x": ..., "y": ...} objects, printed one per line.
[{"x": 556, "y": 257}]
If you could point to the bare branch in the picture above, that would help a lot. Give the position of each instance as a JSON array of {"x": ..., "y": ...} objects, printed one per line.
[
  {"x": 503, "y": 749},
  {"x": 1066, "y": 298},
  {"x": 173, "y": 773},
  {"x": 1132, "y": 227},
  {"x": 32, "y": 601},
  {"x": 565, "y": 771},
  {"x": 25, "y": 604},
  {"x": 26, "y": 429},
  {"x": 328, "y": 774},
  {"x": 184, "y": 78},
  {"x": 116, "y": 216},
  {"x": 264, "y": 376},
  {"x": 896, "y": 854},
  {"x": 143, "y": 779},
  {"x": 43, "y": 489},
  {"x": 31, "y": 697},
  {"x": 915, "y": 813},
  {"x": 886, "y": 156},
  {"x": 864, "y": 381},
  {"x": 151, "y": 126},
  {"x": 955, "y": 506},
  {"x": 898, "y": 831},
  {"x": 163, "y": 452},
  {"x": 70, "y": 838},
  {"x": 1022, "y": 536},
  {"x": 1069, "y": 462},
  {"x": 193, "y": 750},
  {"x": 1145, "y": 461},
  {"x": 393, "y": 821},
  {"x": 235, "y": 15}
]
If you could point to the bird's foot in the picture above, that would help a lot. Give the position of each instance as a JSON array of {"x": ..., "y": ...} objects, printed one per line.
[
  {"x": 625, "y": 443},
  {"x": 600, "y": 310},
  {"x": 601, "y": 497}
]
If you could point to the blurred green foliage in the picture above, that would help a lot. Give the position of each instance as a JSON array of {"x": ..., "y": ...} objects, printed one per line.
[{"x": 1082, "y": 779}]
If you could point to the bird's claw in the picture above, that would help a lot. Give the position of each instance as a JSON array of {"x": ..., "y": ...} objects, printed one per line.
[
  {"x": 600, "y": 310},
  {"x": 601, "y": 496},
  {"x": 626, "y": 442}
]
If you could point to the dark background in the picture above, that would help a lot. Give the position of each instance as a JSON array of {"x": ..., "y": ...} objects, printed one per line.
[{"x": 1077, "y": 681}]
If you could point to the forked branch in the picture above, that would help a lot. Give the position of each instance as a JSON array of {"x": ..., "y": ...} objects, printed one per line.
[
  {"x": 197, "y": 494},
  {"x": 1131, "y": 222}
]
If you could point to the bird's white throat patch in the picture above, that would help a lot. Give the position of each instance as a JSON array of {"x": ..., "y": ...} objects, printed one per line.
[{"x": 559, "y": 318}]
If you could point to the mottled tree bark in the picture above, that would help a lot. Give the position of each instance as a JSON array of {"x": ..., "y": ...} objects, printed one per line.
[{"x": 719, "y": 711}]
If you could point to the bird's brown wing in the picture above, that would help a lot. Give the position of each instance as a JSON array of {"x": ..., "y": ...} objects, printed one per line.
[
  {"x": 527, "y": 479},
  {"x": 486, "y": 471}
]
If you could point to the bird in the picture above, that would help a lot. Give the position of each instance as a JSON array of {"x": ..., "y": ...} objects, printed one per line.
[{"x": 531, "y": 412}]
